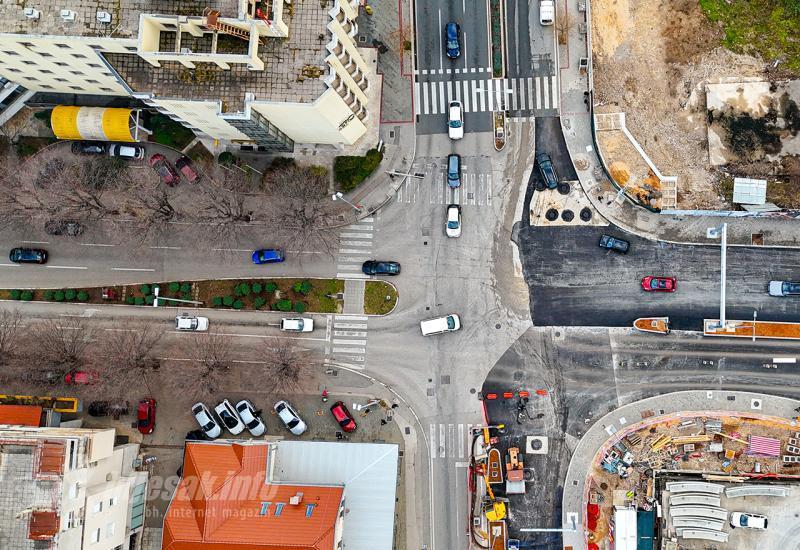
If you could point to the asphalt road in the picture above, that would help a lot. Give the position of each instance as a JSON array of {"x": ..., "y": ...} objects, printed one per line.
[{"x": 575, "y": 283}]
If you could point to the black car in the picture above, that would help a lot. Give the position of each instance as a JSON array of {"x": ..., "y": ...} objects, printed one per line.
[
  {"x": 197, "y": 435},
  {"x": 28, "y": 256},
  {"x": 546, "y": 170},
  {"x": 374, "y": 267},
  {"x": 88, "y": 148},
  {"x": 612, "y": 243},
  {"x": 63, "y": 227}
]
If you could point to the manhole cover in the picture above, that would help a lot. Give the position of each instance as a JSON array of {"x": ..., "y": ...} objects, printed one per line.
[
  {"x": 567, "y": 215},
  {"x": 445, "y": 379},
  {"x": 536, "y": 444},
  {"x": 470, "y": 196},
  {"x": 498, "y": 325},
  {"x": 551, "y": 215},
  {"x": 586, "y": 214},
  {"x": 564, "y": 188},
  {"x": 472, "y": 390},
  {"x": 528, "y": 474},
  {"x": 518, "y": 375}
]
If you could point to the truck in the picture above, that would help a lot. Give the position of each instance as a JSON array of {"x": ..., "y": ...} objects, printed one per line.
[{"x": 547, "y": 12}]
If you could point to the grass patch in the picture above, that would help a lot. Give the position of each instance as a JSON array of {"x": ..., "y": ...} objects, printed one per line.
[
  {"x": 375, "y": 298},
  {"x": 767, "y": 27},
  {"x": 168, "y": 132},
  {"x": 349, "y": 172}
]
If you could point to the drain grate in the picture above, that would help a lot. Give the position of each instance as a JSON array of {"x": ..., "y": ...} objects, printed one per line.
[
  {"x": 445, "y": 379},
  {"x": 429, "y": 392}
]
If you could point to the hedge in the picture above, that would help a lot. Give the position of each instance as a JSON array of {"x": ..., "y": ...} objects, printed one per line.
[
  {"x": 228, "y": 301},
  {"x": 349, "y": 172},
  {"x": 299, "y": 307},
  {"x": 216, "y": 301},
  {"x": 257, "y": 288},
  {"x": 174, "y": 287},
  {"x": 271, "y": 287},
  {"x": 83, "y": 296},
  {"x": 283, "y": 305},
  {"x": 15, "y": 294}
]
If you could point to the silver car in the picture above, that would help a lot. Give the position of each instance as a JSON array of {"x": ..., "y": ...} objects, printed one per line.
[
  {"x": 290, "y": 418},
  {"x": 783, "y": 288}
]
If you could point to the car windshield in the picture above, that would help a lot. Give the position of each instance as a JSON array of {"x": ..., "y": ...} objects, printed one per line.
[
  {"x": 292, "y": 423},
  {"x": 228, "y": 419},
  {"x": 253, "y": 423},
  {"x": 743, "y": 520},
  {"x": 452, "y": 225},
  {"x": 208, "y": 427},
  {"x": 791, "y": 288},
  {"x": 451, "y": 323},
  {"x": 143, "y": 422},
  {"x": 455, "y": 123},
  {"x": 656, "y": 283}
]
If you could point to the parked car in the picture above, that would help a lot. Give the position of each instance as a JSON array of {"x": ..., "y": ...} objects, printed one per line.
[
  {"x": 208, "y": 424},
  {"x": 547, "y": 12},
  {"x": 190, "y": 323},
  {"x": 268, "y": 256},
  {"x": 612, "y": 243},
  {"x": 452, "y": 33},
  {"x": 81, "y": 378},
  {"x": 374, "y": 267},
  {"x": 146, "y": 416},
  {"x": 63, "y": 227},
  {"x": 453, "y": 225},
  {"x": 659, "y": 284},
  {"x": 748, "y": 521},
  {"x": 88, "y": 148},
  {"x": 290, "y": 418},
  {"x": 784, "y": 288},
  {"x": 130, "y": 152},
  {"x": 185, "y": 166},
  {"x": 164, "y": 169},
  {"x": 343, "y": 417},
  {"x": 454, "y": 171},
  {"x": 455, "y": 120},
  {"x": 250, "y": 416},
  {"x": 546, "y": 170},
  {"x": 229, "y": 416},
  {"x": 196, "y": 435},
  {"x": 297, "y": 324},
  {"x": 28, "y": 255}
]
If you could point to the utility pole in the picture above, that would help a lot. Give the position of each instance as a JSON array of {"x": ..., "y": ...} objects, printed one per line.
[{"x": 721, "y": 232}]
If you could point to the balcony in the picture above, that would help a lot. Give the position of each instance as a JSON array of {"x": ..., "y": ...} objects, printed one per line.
[
  {"x": 363, "y": 83},
  {"x": 352, "y": 68}
]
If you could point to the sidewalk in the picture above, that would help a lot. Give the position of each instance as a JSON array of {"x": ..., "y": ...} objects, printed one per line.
[
  {"x": 627, "y": 416},
  {"x": 576, "y": 123}
]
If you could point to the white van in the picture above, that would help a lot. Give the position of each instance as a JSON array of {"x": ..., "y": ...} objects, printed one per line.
[
  {"x": 448, "y": 323},
  {"x": 547, "y": 12}
]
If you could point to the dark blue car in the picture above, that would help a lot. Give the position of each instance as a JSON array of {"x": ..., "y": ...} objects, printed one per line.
[
  {"x": 268, "y": 256},
  {"x": 28, "y": 255},
  {"x": 452, "y": 33},
  {"x": 373, "y": 267}
]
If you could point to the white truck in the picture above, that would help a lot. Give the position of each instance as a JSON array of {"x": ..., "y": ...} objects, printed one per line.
[{"x": 547, "y": 12}]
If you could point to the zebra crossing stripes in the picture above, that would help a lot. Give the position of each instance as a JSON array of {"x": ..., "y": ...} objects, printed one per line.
[
  {"x": 347, "y": 341},
  {"x": 480, "y": 95},
  {"x": 355, "y": 247},
  {"x": 475, "y": 189},
  {"x": 450, "y": 440}
]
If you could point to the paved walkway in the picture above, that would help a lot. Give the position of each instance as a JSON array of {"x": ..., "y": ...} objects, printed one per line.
[
  {"x": 744, "y": 403},
  {"x": 577, "y": 125},
  {"x": 354, "y": 296}
]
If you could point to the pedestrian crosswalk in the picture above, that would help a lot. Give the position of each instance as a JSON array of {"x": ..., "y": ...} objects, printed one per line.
[
  {"x": 534, "y": 93},
  {"x": 475, "y": 189},
  {"x": 451, "y": 440},
  {"x": 355, "y": 247},
  {"x": 346, "y": 344}
]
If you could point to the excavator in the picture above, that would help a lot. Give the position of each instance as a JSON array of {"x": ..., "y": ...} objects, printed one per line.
[{"x": 496, "y": 509}]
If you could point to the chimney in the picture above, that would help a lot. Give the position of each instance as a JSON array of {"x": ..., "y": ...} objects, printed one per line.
[{"x": 296, "y": 499}]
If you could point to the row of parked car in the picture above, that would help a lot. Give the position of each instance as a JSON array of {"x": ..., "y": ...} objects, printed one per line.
[
  {"x": 244, "y": 415},
  {"x": 169, "y": 174}
]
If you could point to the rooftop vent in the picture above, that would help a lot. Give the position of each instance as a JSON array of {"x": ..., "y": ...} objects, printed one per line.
[
  {"x": 32, "y": 13},
  {"x": 103, "y": 17},
  {"x": 68, "y": 15},
  {"x": 295, "y": 500}
]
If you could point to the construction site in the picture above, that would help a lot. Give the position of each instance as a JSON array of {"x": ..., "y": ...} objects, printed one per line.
[{"x": 682, "y": 481}]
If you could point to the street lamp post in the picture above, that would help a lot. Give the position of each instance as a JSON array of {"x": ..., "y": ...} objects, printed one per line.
[
  {"x": 340, "y": 196},
  {"x": 722, "y": 232},
  {"x": 755, "y": 316}
]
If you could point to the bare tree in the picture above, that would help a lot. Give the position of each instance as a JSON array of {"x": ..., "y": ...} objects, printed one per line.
[
  {"x": 128, "y": 357},
  {"x": 210, "y": 361},
  {"x": 10, "y": 324},
  {"x": 151, "y": 206},
  {"x": 63, "y": 343},
  {"x": 287, "y": 367},
  {"x": 224, "y": 206},
  {"x": 563, "y": 24}
]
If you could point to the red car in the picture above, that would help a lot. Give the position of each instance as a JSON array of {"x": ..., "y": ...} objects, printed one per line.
[
  {"x": 343, "y": 417},
  {"x": 185, "y": 166},
  {"x": 659, "y": 284},
  {"x": 146, "y": 416},
  {"x": 81, "y": 378},
  {"x": 164, "y": 169}
]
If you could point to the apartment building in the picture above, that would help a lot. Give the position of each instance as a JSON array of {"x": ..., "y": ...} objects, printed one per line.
[
  {"x": 69, "y": 489},
  {"x": 263, "y": 73}
]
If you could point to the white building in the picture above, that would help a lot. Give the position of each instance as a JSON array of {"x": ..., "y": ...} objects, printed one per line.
[{"x": 69, "y": 489}]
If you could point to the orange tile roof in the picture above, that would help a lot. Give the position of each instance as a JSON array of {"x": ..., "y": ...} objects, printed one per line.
[
  {"x": 21, "y": 415},
  {"x": 224, "y": 500},
  {"x": 43, "y": 525}
]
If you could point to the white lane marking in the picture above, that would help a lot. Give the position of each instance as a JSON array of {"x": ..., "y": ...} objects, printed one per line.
[
  {"x": 231, "y": 250},
  {"x": 433, "y": 440},
  {"x": 442, "y": 440},
  {"x": 351, "y": 276},
  {"x": 350, "y": 333},
  {"x": 356, "y": 235},
  {"x": 10, "y": 265},
  {"x": 465, "y": 83},
  {"x": 463, "y": 3},
  {"x": 353, "y": 260},
  {"x": 461, "y": 441},
  {"x": 131, "y": 269},
  {"x": 159, "y": 247},
  {"x": 449, "y": 92},
  {"x": 367, "y": 220},
  {"x": 349, "y": 342},
  {"x": 538, "y": 92},
  {"x": 351, "y": 317},
  {"x": 441, "y": 60},
  {"x": 530, "y": 93},
  {"x": 348, "y": 350},
  {"x": 65, "y": 267},
  {"x": 514, "y": 94},
  {"x": 546, "y": 94},
  {"x": 480, "y": 95},
  {"x": 100, "y": 244},
  {"x": 349, "y": 266},
  {"x": 554, "y": 95},
  {"x": 346, "y": 365},
  {"x": 489, "y": 95},
  {"x": 350, "y": 325},
  {"x": 305, "y": 252},
  {"x": 356, "y": 243},
  {"x": 359, "y": 228},
  {"x": 442, "y": 99},
  {"x": 416, "y": 97},
  {"x": 36, "y": 242},
  {"x": 425, "y": 105},
  {"x": 458, "y": 464},
  {"x": 361, "y": 252}
]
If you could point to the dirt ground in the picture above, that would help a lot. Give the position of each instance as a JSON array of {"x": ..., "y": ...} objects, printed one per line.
[{"x": 651, "y": 60}]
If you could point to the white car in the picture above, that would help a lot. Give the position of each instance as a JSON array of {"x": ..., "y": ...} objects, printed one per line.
[
  {"x": 547, "y": 12},
  {"x": 748, "y": 521},
  {"x": 290, "y": 418},
  {"x": 207, "y": 422},
  {"x": 249, "y": 415},
  {"x": 783, "y": 288},
  {"x": 455, "y": 120},
  {"x": 187, "y": 322},
  {"x": 133, "y": 152},
  {"x": 230, "y": 418},
  {"x": 453, "y": 225},
  {"x": 299, "y": 324}
]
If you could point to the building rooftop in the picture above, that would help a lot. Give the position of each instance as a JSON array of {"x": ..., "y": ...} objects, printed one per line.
[{"x": 21, "y": 415}]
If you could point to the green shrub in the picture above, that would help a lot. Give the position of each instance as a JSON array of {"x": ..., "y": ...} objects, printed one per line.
[
  {"x": 58, "y": 296},
  {"x": 259, "y": 302},
  {"x": 299, "y": 307},
  {"x": 244, "y": 289},
  {"x": 48, "y": 295},
  {"x": 15, "y": 294},
  {"x": 226, "y": 158},
  {"x": 349, "y": 171},
  {"x": 174, "y": 287},
  {"x": 228, "y": 301},
  {"x": 128, "y": 300},
  {"x": 70, "y": 294},
  {"x": 83, "y": 296},
  {"x": 144, "y": 289},
  {"x": 186, "y": 296},
  {"x": 257, "y": 288},
  {"x": 279, "y": 163},
  {"x": 149, "y": 299},
  {"x": 270, "y": 287},
  {"x": 186, "y": 288},
  {"x": 283, "y": 305},
  {"x": 407, "y": 45},
  {"x": 305, "y": 287},
  {"x": 139, "y": 301},
  {"x": 238, "y": 304},
  {"x": 216, "y": 301},
  {"x": 44, "y": 116},
  {"x": 26, "y": 295}
]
